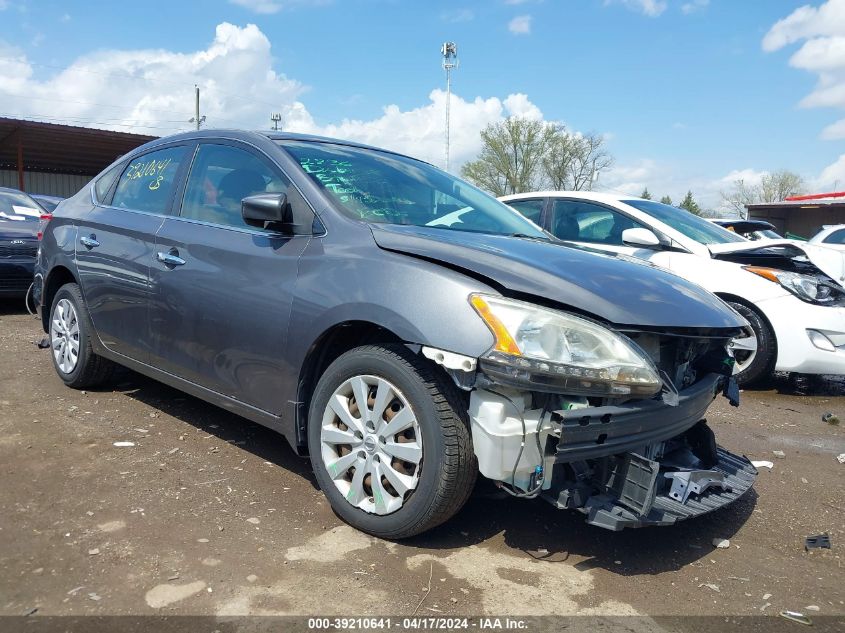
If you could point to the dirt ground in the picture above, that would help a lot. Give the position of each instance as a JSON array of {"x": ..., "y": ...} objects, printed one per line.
[{"x": 211, "y": 514}]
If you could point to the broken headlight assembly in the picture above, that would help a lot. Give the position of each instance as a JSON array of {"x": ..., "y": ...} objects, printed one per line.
[
  {"x": 548, "y": 350},
  {"x": 805, "y": 287}
]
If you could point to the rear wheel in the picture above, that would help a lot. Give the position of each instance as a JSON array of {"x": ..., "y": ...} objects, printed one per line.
[
  {"x": 70, "y": 342},
  {"x": 755, "y": 355},
  {"x": 389, "y": 442}
]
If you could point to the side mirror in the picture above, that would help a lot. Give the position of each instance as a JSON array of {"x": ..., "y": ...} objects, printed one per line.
[
  {"x": 262, "y": 208},
  {"x": 641, "y": 237}
]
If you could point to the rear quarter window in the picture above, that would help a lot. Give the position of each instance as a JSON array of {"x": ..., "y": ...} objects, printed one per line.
[{"x": 147, "y": 182}]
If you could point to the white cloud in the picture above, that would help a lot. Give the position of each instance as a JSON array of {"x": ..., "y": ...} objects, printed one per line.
[
  {"x": 831, "y": 177},
  {"x": 259, "y": 6},
  {"x": 694, "y": 6},
  {"x": 821, "y": 30},
  {"x": 151, "y": 91},
  {"x": 65, "y": 17},
  {"x": 457, "y": 15},
  {"x": 651, "y": 8},
  {"x": 273, "y": 6},
  {"x": 520, "y": 25}
]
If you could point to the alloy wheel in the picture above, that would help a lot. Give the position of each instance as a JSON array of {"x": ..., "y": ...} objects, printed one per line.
[
  {"x": 745, "y": 351},
  {"x": 64, "y": 336}
]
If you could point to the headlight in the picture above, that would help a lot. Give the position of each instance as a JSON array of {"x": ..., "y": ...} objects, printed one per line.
[
  {"x": 805, "y": 287},
  {"x": 556, "y": 351}
]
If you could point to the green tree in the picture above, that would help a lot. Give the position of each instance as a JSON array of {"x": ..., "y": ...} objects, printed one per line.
[
  {"x": 690, "y": 204},
  {"x": 519, "y": 155},
  {"x": 511, "y": 156},
  {"x": 645, "y": 195},
  {"x": 666, "y": 200}
]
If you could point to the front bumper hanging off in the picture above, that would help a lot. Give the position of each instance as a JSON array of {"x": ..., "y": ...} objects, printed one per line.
[
  {"x": 632, "y": 504},
  {"x": 607, "y": 466}
]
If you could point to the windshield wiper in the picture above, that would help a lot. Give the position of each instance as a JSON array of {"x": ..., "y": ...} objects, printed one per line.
[{"x": 525, "y": 236}]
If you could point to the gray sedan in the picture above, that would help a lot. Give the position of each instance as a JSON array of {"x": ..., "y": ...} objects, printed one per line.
[{"x": 399, "y": 326}]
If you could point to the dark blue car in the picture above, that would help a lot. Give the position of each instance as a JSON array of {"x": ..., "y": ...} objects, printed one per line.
[{"x": 20, "y": 222}]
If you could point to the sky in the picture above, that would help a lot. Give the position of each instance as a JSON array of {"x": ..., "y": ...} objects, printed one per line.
[{"x": 689, "y": 94}]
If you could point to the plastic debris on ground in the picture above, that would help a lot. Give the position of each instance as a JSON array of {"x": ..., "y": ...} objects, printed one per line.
[
  {"x": 830, "y": 418},
  {"x": 763, "y": 464},
  {"x": 818, "y": 541},
  {"x": 795, "y": 616},
  {"x": 779, "y": 454},
  {"x": 123, "y": 444},
  {"x": 721, "y": 543}
]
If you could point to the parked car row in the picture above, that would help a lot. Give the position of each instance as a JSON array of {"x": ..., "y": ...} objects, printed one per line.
[
  {"x": 21, "y": 220},
  {"x": 791, "y": 293},
  {"x": 404, "y": 329}
]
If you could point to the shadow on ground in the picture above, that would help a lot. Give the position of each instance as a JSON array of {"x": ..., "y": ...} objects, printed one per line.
[
  {"x": 12, "y": 305},
  {"x": 801, "y": 385},
  {"x": 533, "y": 527}
]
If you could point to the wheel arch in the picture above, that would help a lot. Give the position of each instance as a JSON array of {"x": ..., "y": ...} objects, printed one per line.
[
  {"x": 56, "y": 278},
  {"x": 331, "y": 344}
]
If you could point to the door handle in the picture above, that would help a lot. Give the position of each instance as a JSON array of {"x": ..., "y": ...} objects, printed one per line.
[
  {"x": 89, "y": 241},
  {"x": 170, "y": 259}
]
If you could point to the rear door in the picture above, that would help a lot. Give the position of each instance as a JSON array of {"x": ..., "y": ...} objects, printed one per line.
[
  {"x": 223, "y": 291},
  {"x": 115, "y": 248}
]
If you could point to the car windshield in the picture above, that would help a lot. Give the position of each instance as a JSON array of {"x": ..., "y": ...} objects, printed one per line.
[
  {"x": 385, "y": 188},
  {"x": 684, "y": 222},
  {"x": 18, "y": 207}
]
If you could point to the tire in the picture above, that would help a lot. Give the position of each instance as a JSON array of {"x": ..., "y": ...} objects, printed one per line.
[
  {"x": 445, "y": 474},
  {"x": 762, "y": 364},
  {"x": 73, "y": 327}
]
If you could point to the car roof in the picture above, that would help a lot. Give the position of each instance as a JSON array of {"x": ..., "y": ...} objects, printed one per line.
[
  {"x": 261, "y": 135},
  {"x": 597, "y": 196}
]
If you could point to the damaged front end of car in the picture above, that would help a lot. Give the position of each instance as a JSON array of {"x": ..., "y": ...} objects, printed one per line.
[{"x": 606, "y": 421}]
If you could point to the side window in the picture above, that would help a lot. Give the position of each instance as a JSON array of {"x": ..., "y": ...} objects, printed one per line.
[
  {"x": 221, "y": 177},
  {"x": 578, "y": 221},
  {"x": 104, "y": 183},
  {"x": 531, "y": 209},
  {"x": 147, "y": 182},
  {"x": 837, "y": 237}
]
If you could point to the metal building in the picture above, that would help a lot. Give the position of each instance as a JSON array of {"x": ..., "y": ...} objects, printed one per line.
[
  {"x": 57, "y": 160},
  {"x": 801, "y": 216}
]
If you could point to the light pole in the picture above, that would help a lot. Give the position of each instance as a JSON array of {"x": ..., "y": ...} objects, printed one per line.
[{"x": 449, "y": 51}]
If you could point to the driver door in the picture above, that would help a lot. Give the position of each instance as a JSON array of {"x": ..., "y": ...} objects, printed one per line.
[{"x": 223, "y": 290}]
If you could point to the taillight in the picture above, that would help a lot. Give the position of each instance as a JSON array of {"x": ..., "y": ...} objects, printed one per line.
[{"x": 45, "y": 218}]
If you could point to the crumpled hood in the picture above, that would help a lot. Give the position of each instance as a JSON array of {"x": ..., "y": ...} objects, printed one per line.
[
  {"x": 621, "y": 291},
  {"x": 830, "y": 261}
]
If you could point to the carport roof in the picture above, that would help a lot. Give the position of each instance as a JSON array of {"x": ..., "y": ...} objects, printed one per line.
[{"x": 65, "y": 149}]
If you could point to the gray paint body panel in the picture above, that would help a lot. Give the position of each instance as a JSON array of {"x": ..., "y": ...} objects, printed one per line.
[{"x": 235, "y": 324}]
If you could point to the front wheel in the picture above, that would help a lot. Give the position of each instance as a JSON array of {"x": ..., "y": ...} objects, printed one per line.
[
  {"x": 755, "y": 355},
  {"x": 389, "y": 442}
]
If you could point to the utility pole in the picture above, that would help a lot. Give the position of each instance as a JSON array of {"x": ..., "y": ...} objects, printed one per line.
[
  {"x": 199, "y": 120},
  {"x": 276, "y": 118},
  {"x": 449, "y": 51}
]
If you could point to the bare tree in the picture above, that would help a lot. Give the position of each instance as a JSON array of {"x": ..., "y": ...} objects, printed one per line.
[
  {"x": 574, "y": 160},
  {"x": 772, "y": 187},
  {"x": 511, "y": 156}
]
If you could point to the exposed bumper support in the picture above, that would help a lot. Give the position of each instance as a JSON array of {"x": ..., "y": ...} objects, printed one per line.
[
  {"x": 601, "y": 431},
  {"x": 609, "y": 511}
]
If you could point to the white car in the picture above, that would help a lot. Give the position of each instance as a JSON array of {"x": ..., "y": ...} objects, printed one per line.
[
  {"x": 791, "y": 293},
  {"x": 831, "y": 235}
]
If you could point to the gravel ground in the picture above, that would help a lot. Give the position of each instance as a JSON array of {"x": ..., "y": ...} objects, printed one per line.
[{"x": 210, "y": 514}]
